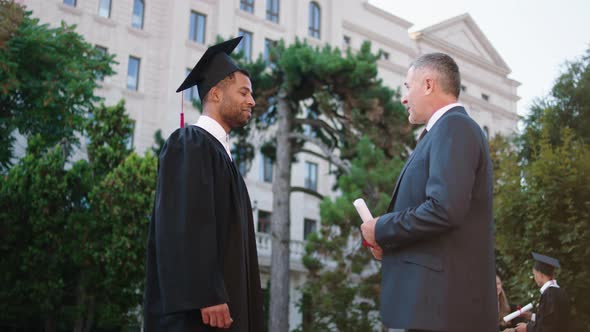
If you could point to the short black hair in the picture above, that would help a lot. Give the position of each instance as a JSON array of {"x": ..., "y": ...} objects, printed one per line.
[
  {"x": 223, "y": 83},
  {"x": 450, "y": 78},
  {"x": 545, "y": 269}
]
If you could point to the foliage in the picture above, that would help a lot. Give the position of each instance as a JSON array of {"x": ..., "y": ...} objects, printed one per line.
[
  {"x": 332, "y": 97},
  {"x": 342, "y": 289},
  {"x": 73, "y": 233},
  {"x": 567, "y": 105},
  {"x": 48, "y": 80},
  {"x": 542, "y": 201}
]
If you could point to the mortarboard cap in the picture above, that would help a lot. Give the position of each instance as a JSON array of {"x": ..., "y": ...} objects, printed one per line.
[
  {"x": 214, "y": 66},
  {"x": 545, "y": 264}
]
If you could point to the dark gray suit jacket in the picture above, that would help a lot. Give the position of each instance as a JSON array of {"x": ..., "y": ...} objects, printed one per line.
[{"x": 438, "y": 268}]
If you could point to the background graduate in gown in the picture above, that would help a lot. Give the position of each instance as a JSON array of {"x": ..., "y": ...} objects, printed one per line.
[
  {"x": 202, "y": 266},
  {"x": 553, "y": 310}
]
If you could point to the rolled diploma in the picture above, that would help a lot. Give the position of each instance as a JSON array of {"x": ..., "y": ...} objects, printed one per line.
[
  {"x": 362, "y": 209},
  {"x": 517, "y": 313}
]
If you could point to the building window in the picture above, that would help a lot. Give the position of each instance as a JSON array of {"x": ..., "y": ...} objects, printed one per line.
[
  {"x": 463, "y": 88},
  {"x": 346, "y": 41},
  {"x": 485, "y": 97},
  {"x": 70, "y": 3},
  {"x": 264, "y": 218},
  {"x": 137, "y": 19},
  {"x": 311, "y": 176},
  {"x": 309, "y": 226},
  {"x": 272, "y": 10},
  {"x": 104, "y": 8},
  {"x": 133, "y": 73},
  {"x": 486, "y": 132},
  {"x": 247, "y": 6},
  {"x": 191, "y": 94},
  {"x": 309, "y": 130},
  {"x": 196, "y": 31},
  {"x": 246, "y": 45},
  {"x": 266, "y": 169},
  {"x": 103, "y": 51},
  {"x": 384, "y": 55},
  {"x": 268, "y": 45},
  {"x": 129, "y": 140},
  {"x": 306, "y": 312},
  {"x": 314, "y": 20}
]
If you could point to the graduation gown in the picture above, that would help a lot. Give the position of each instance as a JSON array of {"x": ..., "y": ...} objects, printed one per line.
[
  {"x": 552, "y": 313},
  {"x": 201, "y": 248}
]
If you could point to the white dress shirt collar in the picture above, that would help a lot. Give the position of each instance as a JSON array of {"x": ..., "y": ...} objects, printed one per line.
[
  {"x": 440, "y": 113},
  {"x": 550, "y": 283},
  {"x": 214, "y": 128}
]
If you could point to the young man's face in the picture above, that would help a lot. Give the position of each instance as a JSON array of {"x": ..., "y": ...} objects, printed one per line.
[
  {"x": 237, "y": 102},
  {"x": 538, "y": 278}
]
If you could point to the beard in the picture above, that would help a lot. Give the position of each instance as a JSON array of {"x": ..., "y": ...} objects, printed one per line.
[{"x": 233, "y": 114}]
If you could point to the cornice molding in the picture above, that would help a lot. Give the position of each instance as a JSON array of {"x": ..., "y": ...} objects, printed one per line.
[
  {"x": 387, "y": 15},
  {"x": 371, "y": 35},
  {"x": 489, "y": 87},
  {"x": 483, "y": 105},
  {"x": 465, "y": 55}
]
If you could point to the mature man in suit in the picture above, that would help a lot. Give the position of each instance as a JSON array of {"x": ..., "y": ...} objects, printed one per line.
[{"x": 436, "y": 240}]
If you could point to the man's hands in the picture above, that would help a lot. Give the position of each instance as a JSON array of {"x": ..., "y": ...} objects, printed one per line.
[
  {"x": 520, "y": 327},
  {"x": 217, "y": 316},
  {"x": 368, "y": 231}
]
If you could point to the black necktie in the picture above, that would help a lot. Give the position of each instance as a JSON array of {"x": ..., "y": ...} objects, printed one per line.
[{"x": 422, "y": 134}]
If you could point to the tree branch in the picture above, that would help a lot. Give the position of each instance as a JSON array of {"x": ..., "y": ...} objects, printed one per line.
[
  {"x": 343, "y": 165},
  {"x": 307, "y": 191}
]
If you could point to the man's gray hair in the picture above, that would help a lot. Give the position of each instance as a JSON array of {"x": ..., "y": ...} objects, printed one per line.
[{"x": 445, "y": 66}]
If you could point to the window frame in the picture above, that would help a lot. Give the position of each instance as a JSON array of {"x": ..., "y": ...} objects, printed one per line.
[
  {"x": 132, "y": 57},
  {"x": 273, "y": 11},
  {"x": 264, "y": 221},
  {"x": 246, "y": 44},
  {"x": 193, "y": 31},
  {"x": 311, "y": 176},
  {"x": 133, "y": 15},
  {"x": 247, "y": 6},
  {"x": 315, "y": 16},
  {"x": 100, "y": 2}
]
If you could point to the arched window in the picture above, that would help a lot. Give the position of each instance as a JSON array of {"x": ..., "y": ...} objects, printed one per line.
[
  {"x": 138, "y": 12},
  {"x": 315, "y": 20}
]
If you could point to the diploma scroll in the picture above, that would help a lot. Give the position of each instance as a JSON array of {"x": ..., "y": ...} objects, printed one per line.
[
  {"x": 364, "y": 213},
  {"x": 517, "y": 313}
]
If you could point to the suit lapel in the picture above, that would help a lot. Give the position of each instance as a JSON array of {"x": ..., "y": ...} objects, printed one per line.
[
  {"x": 399, "y": 179},
  {"x": 401, "y": 174}
]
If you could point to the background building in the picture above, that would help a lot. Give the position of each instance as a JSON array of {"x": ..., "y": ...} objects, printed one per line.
[{"x": 156, "y": 43}]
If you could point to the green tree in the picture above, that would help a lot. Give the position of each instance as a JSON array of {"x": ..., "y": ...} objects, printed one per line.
[
  {"x": 316, "y": 97},
  {"x": 48, "y": 80},
  {"x": 541, "y": 194},
  {"x": 343, "y": 285},
  {"x": 567, "y": 105},
  {"x": 73, "y": 233}
]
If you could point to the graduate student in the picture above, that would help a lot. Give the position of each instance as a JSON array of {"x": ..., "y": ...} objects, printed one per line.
[
  {"x": 553, "y": 311},
  {"x": 202, "y": 265}
]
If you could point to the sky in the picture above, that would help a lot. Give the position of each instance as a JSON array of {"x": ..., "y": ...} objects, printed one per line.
[{"x": 534, "y": 37}]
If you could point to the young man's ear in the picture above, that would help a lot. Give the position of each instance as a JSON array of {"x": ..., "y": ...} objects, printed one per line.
[{"x": 215, "y": 94}]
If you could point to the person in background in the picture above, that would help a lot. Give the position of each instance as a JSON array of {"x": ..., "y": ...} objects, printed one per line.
[
  {"x": 505, "y": 308},
  {"x": 553, "y": 311}
]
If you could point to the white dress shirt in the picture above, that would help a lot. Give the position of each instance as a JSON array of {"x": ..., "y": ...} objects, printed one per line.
[
  {"x": 440, "y": 113},
  {"x": 214, "y": 128}
]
